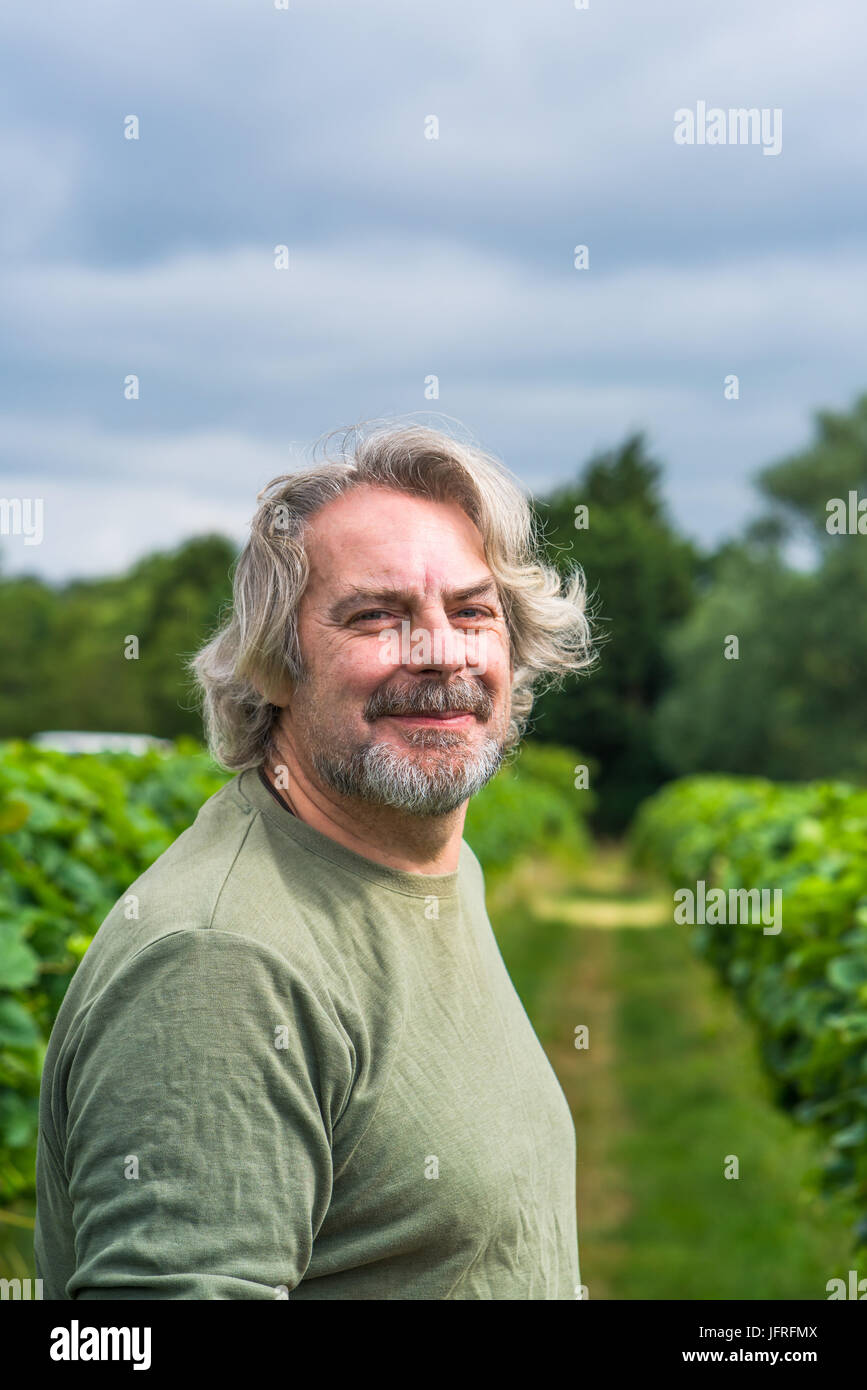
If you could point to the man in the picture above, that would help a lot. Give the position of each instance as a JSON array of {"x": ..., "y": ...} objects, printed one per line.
[{"x": 292, "y": 1063}]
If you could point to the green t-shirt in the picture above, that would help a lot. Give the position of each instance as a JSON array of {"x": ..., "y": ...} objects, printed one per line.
[{"x": 284, "y": 1070}]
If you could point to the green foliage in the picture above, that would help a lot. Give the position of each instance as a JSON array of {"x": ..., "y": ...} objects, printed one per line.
[
  {"x": 64, "y": 664},
  {"x": 791, "y": 705},
  {"x": 640, "y": 576},
  {"x": 77, "y": 829},
  {"x": 802, "y": 484},
  {"x": 530, "y": 807},
  {"x": 805, "y": 987},
  {"x": 744, "y": 714}
]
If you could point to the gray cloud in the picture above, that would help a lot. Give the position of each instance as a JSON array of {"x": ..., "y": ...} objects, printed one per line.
[{"x": 411, "y": 257}]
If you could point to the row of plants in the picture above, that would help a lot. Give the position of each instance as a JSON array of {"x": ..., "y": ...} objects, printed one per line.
[
  {"x": 805, "y": 985},
  {"x": 77, "y": 829}
]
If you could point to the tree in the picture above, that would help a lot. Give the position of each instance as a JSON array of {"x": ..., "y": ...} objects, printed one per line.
[
  {"x": 641, "y": 577},
  {"x": 799, "y": 487},
  {"x": 792, "y": 705},
  {"x": 65, "y": 665}
]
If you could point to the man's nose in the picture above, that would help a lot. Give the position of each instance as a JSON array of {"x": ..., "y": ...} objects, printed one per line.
[{"x": 436, "y": 645}]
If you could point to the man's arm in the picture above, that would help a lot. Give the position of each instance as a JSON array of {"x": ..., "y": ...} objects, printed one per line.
[{"x": 201, "y": 1100}]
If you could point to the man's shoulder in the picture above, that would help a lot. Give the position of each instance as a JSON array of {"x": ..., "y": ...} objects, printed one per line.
[
  {"x": 219, "y": 859},
  {"x": 185, "y": 882}
]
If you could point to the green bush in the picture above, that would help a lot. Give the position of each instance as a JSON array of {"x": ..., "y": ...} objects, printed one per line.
[
  {"x": 805, "y": 987},
  {"x": 77, "y": 829},
  {"x": 530, "y": 807}
]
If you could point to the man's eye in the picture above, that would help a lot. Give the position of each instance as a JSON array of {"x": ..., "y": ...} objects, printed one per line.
[{"x": 373, "y": 613}]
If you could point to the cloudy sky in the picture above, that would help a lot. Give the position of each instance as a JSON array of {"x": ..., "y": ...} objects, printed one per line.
[{"x": 411, "y": 257}]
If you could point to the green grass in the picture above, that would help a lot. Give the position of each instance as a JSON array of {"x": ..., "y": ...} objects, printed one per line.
[
  {"x": 695, "y": 1094},
  {"x": 670, "y": 1086},
  {"x": 533, "y": 957}
]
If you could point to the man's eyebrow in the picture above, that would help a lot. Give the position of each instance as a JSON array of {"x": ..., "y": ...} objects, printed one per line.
[{"x": 359, "y": 596}]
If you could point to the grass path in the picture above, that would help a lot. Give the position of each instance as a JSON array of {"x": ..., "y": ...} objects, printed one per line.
[{"x": 668, "y": 1088}]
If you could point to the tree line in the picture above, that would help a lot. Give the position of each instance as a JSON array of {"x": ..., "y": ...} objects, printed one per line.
[{"x": 666, "y": 697}]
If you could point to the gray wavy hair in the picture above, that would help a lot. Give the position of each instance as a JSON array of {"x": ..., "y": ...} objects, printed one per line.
[{"x": 243, "y": 667}]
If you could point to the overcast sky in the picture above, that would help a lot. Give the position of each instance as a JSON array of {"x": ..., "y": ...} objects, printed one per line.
[{"x": 411, "y": 257}]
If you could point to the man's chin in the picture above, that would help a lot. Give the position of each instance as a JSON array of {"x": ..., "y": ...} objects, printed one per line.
[
  {"x": 423, "y": 738},
  {"x": 426, "y": 776}
]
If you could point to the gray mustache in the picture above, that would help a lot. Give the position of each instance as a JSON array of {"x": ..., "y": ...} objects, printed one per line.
[{"x": 431, "y": 697}]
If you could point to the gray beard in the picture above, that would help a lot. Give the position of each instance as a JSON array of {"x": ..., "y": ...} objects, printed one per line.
[{"x": 383, "y": 775}]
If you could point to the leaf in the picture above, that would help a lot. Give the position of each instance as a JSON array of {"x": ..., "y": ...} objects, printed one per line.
[
  {"x": 13, "y": 814},
  {"x": 19, "y": 965},
  {"x": 850, "y": 1138},
  {"x": 854, "y": 1023},
  {"x": 848, "y": 972},
  {"x": 17, "y": 1028},
  {"x": 19, "y": 1118}
]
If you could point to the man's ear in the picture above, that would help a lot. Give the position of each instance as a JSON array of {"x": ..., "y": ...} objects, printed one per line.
[{"x": 278, "y": 694}]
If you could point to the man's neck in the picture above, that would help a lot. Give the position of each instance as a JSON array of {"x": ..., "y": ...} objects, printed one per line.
[{"x": 415, "y": 844}]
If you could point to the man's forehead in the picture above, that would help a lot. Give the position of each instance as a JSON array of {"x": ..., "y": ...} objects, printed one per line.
[
  {"x": 425, "y": 550},
  {"x": 378, "y": 518}
]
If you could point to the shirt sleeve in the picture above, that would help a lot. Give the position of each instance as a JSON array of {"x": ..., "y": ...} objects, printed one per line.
[{"x": 202, "y": 1096}]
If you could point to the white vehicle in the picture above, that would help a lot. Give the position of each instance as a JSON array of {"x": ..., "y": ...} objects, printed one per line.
[{"x": 84, "y": 741}]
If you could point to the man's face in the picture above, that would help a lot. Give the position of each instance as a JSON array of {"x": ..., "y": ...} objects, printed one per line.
[{"x": 406, "y": 701}]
